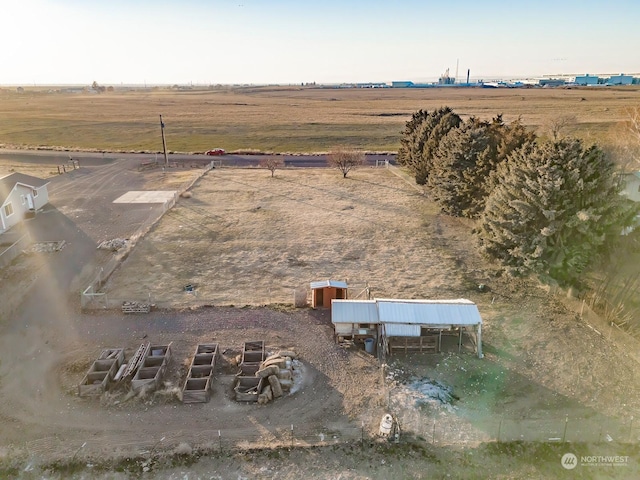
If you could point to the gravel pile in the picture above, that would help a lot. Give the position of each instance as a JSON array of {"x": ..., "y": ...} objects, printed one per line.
[
  {"x": 47, "y": 247},
  {"x": 114, "y": 245}
]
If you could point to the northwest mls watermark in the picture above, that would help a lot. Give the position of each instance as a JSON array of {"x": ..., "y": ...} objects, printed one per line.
[{"x": 571, "y": 461}]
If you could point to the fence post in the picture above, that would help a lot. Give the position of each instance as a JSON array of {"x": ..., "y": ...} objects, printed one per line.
[
  {"x": 433, "y": 436},
  {"x": 600, "y": 433},
  {"x": 220, "y": 441},
  {"x": 499, "y": 429},
  {"x": 630, "y": 428},
  {"x": 362, "y": 433},
  {"x": 292, "y": 435},
  {"x": 564, "y": 433}
]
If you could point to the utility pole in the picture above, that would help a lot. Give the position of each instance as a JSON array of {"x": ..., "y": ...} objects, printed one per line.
[{"x": 164, "y": 143}]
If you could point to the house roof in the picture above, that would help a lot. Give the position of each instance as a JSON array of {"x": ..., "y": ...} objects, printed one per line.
[
  {"x": 445, "y": 313},
  {"x": 354, "y": 311},
  {"x": 458, "y": 312},
  {"x": 8, "y": 182},
  {"x": 328, "y": 283}
]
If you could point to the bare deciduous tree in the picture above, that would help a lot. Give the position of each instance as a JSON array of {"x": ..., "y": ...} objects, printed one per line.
[
  {"x": 345, "y": 159},
  {"x": 634, "y": 122},
  {"x": 624, "y": 142},
  {"x": 558, "y": 126},
  {"x": 272, "y": 163}
]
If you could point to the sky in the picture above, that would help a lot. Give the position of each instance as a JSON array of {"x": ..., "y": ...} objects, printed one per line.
[{"x": 113, "y": 42}]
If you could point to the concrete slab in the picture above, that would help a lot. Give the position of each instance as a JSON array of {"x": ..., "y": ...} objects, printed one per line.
[{"x": 149, "y": 196}]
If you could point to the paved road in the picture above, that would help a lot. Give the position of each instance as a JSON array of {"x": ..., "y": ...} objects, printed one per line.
[{"x": 94, "y": 159}]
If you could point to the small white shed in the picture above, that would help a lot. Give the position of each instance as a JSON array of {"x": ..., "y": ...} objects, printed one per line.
[{"x": 324, "y": 291}]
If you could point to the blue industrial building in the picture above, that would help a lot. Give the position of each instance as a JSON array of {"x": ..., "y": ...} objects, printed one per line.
[
  {"x": 620, "y": 80},
  {"x": 586, "y": 80}
]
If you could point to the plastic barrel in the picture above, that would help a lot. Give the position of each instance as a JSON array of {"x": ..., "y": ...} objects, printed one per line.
[{"x": 369, "y": 344}]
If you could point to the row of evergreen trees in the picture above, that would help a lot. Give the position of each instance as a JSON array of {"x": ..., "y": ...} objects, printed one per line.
[{"x": 549, "y": 207}]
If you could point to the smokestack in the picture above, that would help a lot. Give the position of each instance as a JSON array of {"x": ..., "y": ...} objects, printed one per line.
[{"x": 468, "y": 72}]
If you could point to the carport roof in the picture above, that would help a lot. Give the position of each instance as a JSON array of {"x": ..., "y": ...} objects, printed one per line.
[
  {"x": 354, "y": 311},
  {"x": 458, "y": 312},
  {"x": 328, "y": 283}
]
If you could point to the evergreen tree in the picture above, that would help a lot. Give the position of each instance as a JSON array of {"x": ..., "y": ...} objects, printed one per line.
[
  {"x": 421, "y": 138},
  {"x": 507, "y": 139},
  {"x": 461, "y": 168},
  {"x": 406, "y": 150},
  {"x": 555, "y": 210},
  {"x": 462, "y": 171}
]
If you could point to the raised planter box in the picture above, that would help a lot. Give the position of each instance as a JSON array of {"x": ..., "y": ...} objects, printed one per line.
[
  {"x": 101, "y": 372},
  {"x": 153, "y": 368},
  {"x": 197, "y": 387}
]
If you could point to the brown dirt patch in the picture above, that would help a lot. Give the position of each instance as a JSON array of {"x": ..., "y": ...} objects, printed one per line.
[{"x": 247, "y": 238}]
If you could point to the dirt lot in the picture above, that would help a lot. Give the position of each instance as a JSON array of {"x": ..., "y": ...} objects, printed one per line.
[{"x": 244, "y": 238}]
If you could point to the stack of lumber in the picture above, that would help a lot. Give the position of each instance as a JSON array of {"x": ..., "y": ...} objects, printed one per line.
[{"x": 135, "y": 307}]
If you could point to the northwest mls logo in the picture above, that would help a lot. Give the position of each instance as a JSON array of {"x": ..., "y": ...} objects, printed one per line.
[{"x": 569, "y": 461}]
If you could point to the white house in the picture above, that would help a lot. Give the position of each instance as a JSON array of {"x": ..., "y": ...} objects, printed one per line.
[{"x": 20, "y": 196}]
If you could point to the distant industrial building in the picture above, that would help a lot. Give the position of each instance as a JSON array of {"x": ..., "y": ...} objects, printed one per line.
[
  {"x": 372, "y": 85},
  {"x": 552, "y": 82},
  {"x": 446, "y": 79},
  {"x": 402, "y": 84},
  {"x": 620, "y": 80},
  {"x": 586, "y": 80}
]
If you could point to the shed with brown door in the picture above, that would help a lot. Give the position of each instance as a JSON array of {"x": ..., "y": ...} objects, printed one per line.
[{"x": 324, "y": 291}]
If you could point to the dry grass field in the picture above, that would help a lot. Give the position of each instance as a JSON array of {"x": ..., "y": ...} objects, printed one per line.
[
  {"x": 246, "y": 238},
  {"x": 8, "y": 167},
  {"x": 284, "y": 119}
]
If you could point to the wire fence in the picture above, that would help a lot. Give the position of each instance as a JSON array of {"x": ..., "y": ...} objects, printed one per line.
[
  {"x": 429, "y": 430},
  {"x": 298, "y": 297},
  {"x": 213, "y": 440},
  {"x": 457, "y": 431},
  {"x": 11, "y": 252}
]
